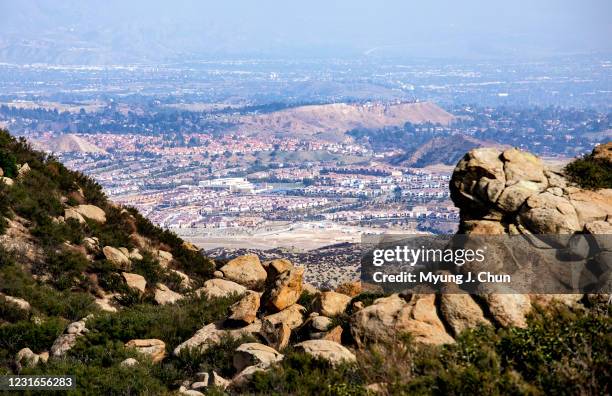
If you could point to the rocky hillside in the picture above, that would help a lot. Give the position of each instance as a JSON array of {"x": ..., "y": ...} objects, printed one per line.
[{"x": 92, "y": 289}]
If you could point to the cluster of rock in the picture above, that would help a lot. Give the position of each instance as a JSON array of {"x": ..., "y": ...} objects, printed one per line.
[
  {"x": 268, "y": 310},
  {"x": 22, "y": 170}
]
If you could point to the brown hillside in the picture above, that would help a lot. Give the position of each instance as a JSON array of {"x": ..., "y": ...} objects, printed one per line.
[{"x": 337, "y": 118}]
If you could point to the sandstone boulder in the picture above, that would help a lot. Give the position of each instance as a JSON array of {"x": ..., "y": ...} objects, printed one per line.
[
  {"x": 321, "y": 323},
  {"x": 245, "y": 309},
  {"x": 7, "y": 181},
  {"x": 91, "y": 212},
  {"x": 71, "y": 213},
  {"x": 461, "y": 312},
  {"x": 63, "y": 344},
  {"x": 163, "y": 295},
  {"x": 245, "y": 270},
  {"x": 135, "y": 281},
  {"x": 276, "y": 335},
  {"x": 509, "y": 309},
  {"x": 292, "y": 316},
  {"x": 212, "y": 334},
  {"x": 334, "y": 335},
  {"x": 26, "y": 358},
  {"x": 324, "y": 349},
  {"x": 546, "y": 213},
  {"x": 331, "y": 303},
  {"x": 218, "y": 288},
  {"x": 154, "y": 348},
  {"x": 116, "y": 257},
  {"x": 17, "y": 302},
  {"x": 255, "y": 354},
  {"x": 389, "y": 316},
  {"x": 286, "y": 289}
]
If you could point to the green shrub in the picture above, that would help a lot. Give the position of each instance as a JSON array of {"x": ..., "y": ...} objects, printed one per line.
[
  {"x": 43, "y": 298},
  {"x": 171, "y": 323},
  {"x": 65, "y": 267},
  {"x": 589, "y": 172},
  {"x": 37, "y": 337},
  {"x": 8, "y": 163}
]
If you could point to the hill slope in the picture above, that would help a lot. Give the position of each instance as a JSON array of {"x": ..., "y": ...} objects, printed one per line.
[
  {"x": 94, "y": 290},
  {"x": 72, "y": 143},
  {"x": 337, "y": 118}
]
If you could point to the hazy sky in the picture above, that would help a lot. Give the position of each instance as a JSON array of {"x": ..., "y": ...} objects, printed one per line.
[{"x": 137, "y": 29}]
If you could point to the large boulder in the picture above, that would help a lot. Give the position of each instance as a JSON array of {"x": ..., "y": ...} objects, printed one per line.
[
  {"x": 71, "y": 213},
  {"x": 478, "y": 179},
  {"x": 163, "y": 295},
  {"x": 389, "y": 316},
  {"x": 212, "y": 334},
  {"x": 461, "y": 312},
  {"x": 117, "y": 257},
  {"x": 547, "y": 213},
  {"x": 592, "y": 205},
  {"x": 292, "y": 316},
  {"x": 253, "y": 353},
  {"x": 329, "y": 350},
  {"x": 350, "y": 289},
  {"x": 154, "y": 348},
  {"x": 63, "y": 344},
  {"x": 218, "y": 288},
  {"x": 246, "y": 270},
  {"x": 509, "y": 309},
  {"x": 331, "y": 303},
  {"x": 245, "y": 310},
  {"x": 135, "y": 281},
  {"x": 16, "y": 301},
  {"x": 91, "y": 212},
  {"x": 285, "y": 289}
]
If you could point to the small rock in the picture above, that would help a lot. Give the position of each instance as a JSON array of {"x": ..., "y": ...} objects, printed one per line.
[
  {"x": 76, "y": 327},
  {"x": 165, "y": 258},
  {"x": 321, "y": 323},
  {"x": 129, "y": 362},
  {"x": 71, "y": 213},
  {"x": 253, "y": 353},
  {"x": 334, "y": 334},
  {"x": 26, "y": 358},
  {"x": 219, "y": 381},
  {"x": 218, "y": 274},
  {"x": 154, "y": 348},
  {"x": 18, "y": 302},
  {"x": 292, "y": 316},
  {"x": 350, "y": 289}
]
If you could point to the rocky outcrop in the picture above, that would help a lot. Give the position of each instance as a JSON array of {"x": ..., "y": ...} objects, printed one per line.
[
  {"x": 153, "y": 348},
  {"x": 390, "y": 316},
  {"x": 66, "y": 341}
]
